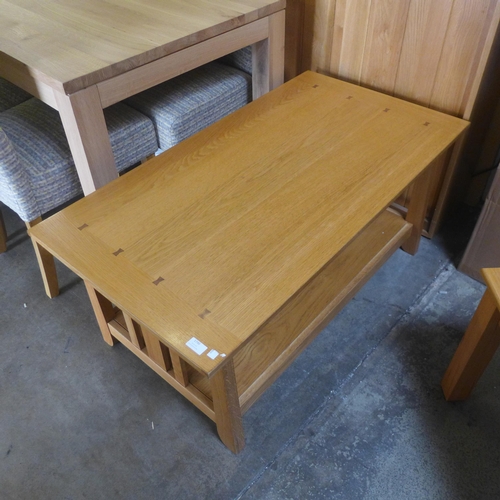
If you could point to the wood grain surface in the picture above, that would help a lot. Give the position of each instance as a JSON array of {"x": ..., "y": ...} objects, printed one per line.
[
  {"x": 212, "y": 237},
  {"x": 430, "y": 52},
  {"x": 73, "y": 44}
]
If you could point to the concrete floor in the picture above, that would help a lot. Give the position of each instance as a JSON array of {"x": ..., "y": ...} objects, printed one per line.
[{"x": 359, "y": 414}]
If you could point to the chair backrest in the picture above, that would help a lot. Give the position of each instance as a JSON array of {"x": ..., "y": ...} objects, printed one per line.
[{"x": 241, "y": 59}]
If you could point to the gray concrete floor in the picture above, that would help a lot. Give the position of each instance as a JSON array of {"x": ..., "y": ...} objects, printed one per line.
[{"x": 359, "y": 414}]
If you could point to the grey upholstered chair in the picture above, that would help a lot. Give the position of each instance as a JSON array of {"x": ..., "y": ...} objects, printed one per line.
[
  {"x": 37, "y": 172},
  {"x": 190, "y": 102},
  {"x": 11, "y": 95}
]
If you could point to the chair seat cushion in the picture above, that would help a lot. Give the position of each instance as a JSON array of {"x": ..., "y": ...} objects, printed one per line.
[
  {"x": 11, "y": 95},
  {"x": 190, "y": 102},
  {"x": 46, "y": 176}
]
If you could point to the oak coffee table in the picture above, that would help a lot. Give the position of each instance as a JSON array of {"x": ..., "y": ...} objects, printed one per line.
[{"x": 218, "y": 261}]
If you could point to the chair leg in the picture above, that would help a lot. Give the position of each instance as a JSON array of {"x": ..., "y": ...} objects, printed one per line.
[
  {"x": 46, "y": 264},
  {"x": 3, "y": 235}
]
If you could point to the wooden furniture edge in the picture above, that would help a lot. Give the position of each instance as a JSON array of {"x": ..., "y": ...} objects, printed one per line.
[
  {"x": 317, "y": 325},
  {"x": 189, "y": 392},
  {"x": 121, "y": 86},
  {"x": 19, "y": 74},
  {"x": 475, "y": 351}
]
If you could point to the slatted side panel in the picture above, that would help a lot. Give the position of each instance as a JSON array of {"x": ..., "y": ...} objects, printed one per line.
[
  {"x": 425, "y": 51},
  {"x": 425, "y": 32},
  {"x": 421, "y": 50}
]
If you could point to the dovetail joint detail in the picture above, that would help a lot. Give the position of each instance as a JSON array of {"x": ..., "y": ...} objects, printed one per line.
[{"x": 206, "y": 312}]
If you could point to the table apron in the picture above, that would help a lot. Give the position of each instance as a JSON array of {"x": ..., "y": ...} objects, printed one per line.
[
  {"x": 122, "y": 86},
  {"x": 18, "y": 74}
]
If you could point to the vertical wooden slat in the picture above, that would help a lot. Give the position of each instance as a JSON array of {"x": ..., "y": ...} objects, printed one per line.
[
  {"x": 337, "y": 29},
  {"x": 157, "y": 352},
  {"x": 319, "y": 16},
  {"x": 491, "y": 19},
  {"x": 134, "y": 331},
  {"x": 294, "y": 32},
  {"x": 386, "y": 29},
  {"x": 180, "y": 369},
  {"x": 455, "y": 71},
  {"x": 103, "y": 310},
  {"x": 352, "y": 32},
  {"x": 421, "y": 52}
]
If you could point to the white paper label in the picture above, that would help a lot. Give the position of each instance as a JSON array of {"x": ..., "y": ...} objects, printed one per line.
[
  {"x": 213, "y": 354},
  {"x": 195, "y": 345}
]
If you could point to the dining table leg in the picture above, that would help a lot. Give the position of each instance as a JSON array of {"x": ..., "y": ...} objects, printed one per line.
[
  {"x": 268, "y": 57},
  {"x": 83, "y": 121}
]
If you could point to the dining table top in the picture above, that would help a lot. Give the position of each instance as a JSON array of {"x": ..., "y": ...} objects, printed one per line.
[{"x": 72, "y": 44}]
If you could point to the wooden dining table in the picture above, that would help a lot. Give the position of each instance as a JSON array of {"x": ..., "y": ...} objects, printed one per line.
[{"x": 81, "y": 56}]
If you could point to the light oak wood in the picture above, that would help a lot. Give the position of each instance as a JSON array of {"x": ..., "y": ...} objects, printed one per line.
[
  {"x": 87, "y": 134},
  {"x": 46, "y": 264},
  {"x": 285, "y": 335},
  {"x": 428, "y": 52},
  {"x": 98, "y": 41},
  {"x": 157, "y": 351},
  {"x": 180, "y": 369},
  {"x": 80, "y": 57},
  {"x": 191, "y": 393},
  {"x": 250, "y": 235},
  {"x": 141, "y": 78},
  {"x": 227, "y": 408},
  {"x": 134, "y": 331},
  {"x": 417, "y": 210},
  {"x": 103, "y": 310},
  {"x": 479, "y": 344}
]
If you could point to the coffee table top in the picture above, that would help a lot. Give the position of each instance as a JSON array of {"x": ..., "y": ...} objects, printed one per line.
[
  {"x": 74, "y": 44},
  {"x": 211, "y": 238}
]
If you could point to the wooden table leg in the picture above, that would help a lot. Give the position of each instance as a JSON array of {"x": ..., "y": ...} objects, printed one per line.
[
  {"x": 88, "y": 138},
  {"x": 103, "y": 310},
  {"x": 268, "y": 57},
  {"x": 417, "y": 209},
  {"x": 474, "y": 352},
  {"x": 227, "y": 408},
  {"x": 46, "y": 264}
]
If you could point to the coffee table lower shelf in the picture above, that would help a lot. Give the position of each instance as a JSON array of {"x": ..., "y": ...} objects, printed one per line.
[{"x": 274, "y": 345}]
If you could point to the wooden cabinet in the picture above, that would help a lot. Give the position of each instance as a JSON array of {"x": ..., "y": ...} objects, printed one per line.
[{"x": 430, "y": 52}]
